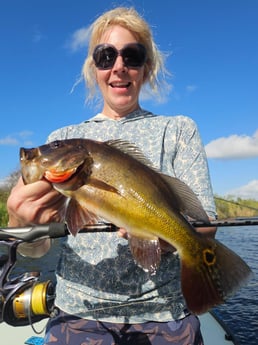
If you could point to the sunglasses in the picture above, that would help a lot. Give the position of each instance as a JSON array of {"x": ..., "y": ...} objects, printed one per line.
[{"x": 133, "y": 55}]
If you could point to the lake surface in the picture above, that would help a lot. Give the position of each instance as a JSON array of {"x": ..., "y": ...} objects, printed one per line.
[{"x": 240, "y": 313}]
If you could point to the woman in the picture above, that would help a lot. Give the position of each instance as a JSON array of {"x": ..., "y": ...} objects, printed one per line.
[{"x": 102, "y": 295}]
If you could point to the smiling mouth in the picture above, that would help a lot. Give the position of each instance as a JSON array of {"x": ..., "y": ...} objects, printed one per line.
[{"x": 120, "y": 85}]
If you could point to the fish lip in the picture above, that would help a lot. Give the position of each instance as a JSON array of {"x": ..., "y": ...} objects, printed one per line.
[{"x": 31, "y": 174}]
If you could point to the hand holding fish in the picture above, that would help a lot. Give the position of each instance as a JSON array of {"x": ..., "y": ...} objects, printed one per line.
[{"x": 36, "y": 203}]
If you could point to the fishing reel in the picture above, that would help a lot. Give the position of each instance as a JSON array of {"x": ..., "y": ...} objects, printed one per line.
[{"x": 23, "y": 298}]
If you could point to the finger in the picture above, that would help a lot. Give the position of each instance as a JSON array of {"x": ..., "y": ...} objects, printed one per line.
[{"x": 122, "y": 233}]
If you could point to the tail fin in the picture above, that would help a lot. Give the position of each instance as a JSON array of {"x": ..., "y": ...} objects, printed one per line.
[{"x": 215, "y": 275}]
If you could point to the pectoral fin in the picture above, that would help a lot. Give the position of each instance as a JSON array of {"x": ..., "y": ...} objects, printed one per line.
[
  {"x": 146, "y": 252},
  {"x": 98, "y": 184},
  {"x": 77, "y": 217}
]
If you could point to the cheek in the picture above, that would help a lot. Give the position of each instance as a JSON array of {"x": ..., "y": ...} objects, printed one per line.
[
  {"x": 101, "y": 77},
  {"x": 137, "y": 76}
]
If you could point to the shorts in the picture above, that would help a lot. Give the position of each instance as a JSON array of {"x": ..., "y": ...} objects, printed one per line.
[{"x": 68, "y": 329}]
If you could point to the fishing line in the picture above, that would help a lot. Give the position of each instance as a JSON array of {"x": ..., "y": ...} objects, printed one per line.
[{"x": 30, "y": 317}]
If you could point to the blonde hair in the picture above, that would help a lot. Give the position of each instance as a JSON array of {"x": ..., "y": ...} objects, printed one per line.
[{"x": 129, "y": 19}]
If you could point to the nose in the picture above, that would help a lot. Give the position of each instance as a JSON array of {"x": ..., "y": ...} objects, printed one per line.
[{"x": 119, "y": 64}]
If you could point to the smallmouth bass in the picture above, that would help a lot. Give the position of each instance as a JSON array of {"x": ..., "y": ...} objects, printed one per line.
[{"x": 113, "y": 181}]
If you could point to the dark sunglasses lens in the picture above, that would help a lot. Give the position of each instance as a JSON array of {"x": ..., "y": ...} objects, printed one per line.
[
  {"x": 134, "y": 56},
  {"x": 104, "y": 57}
]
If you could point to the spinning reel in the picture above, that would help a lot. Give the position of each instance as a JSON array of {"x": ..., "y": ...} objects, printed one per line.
[{"x": 23, "y": 298}]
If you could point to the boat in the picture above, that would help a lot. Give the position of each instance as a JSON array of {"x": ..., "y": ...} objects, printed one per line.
[{"x": 214, "y": 332}]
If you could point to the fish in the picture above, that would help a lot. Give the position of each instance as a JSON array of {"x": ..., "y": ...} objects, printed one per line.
[{"x": 114, "y": 181}]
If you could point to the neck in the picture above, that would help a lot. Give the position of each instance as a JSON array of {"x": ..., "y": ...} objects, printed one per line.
[{"x": 117, "y": 115}]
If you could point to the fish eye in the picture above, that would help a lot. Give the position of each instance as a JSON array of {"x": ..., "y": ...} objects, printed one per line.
[{"x": 56, "y": 144}]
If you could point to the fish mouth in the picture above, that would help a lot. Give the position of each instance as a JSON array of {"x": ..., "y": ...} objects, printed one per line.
[{"x": 59, "y": 176}]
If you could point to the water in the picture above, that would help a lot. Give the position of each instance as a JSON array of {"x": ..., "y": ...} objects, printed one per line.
[{"x": 239, "y": 313}]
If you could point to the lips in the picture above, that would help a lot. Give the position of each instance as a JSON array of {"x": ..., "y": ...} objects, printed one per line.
[{"x": 120, "y": 84}]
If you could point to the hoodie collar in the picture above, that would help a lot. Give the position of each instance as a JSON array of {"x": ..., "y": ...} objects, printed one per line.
[{"x": 135, "y": 115}]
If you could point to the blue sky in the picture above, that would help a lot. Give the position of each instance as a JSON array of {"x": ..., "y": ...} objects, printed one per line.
[{"x": 212, "y": 55}]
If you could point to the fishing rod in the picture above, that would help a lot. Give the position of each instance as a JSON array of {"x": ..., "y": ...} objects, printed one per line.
[
  {"x": 240, "y": 221},
  {"x": 57, "y": 230}
]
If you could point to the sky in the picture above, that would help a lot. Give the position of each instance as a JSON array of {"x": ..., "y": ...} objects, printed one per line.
[{"x": 212, "y": 55}]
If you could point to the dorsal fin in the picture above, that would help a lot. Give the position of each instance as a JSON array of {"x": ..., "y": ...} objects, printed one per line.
[
  {"x": 130, "y": 149},
  {"x": 188, "y": 202}
]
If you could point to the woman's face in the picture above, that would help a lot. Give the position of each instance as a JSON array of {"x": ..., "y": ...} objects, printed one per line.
[{"x": 120, "y": 85}]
